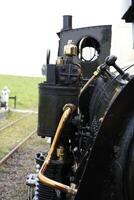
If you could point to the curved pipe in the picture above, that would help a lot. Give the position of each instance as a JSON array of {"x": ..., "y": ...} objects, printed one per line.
[
  {"x": 95, "y": 74},
  {"x": 68, "y": 109}
]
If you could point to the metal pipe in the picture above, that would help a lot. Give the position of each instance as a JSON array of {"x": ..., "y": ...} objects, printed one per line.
[
  {"x": 68, "y": 109},
  {"x": 95, "y": 74},
  {"x": 67, "y": 22}
]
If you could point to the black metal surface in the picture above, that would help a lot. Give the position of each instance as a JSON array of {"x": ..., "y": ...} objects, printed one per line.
[
  {"x": 84, "y": 102},
  {"x": 97, "y": 164},
  {"x": 128, "y": 10},
  {"x": 101, "y": 97},
  {"x": 51, "y": 74},
  {"x": 51, "y": 102},
  {"x": 98, "y": 37},
  {"x": 54, "y": 172},
  {"x": 67, "y": 22},
  {"x": 130, "y": 166},
  {"x": 68, "y": 74},
  {"x": 110, "y": 61}
]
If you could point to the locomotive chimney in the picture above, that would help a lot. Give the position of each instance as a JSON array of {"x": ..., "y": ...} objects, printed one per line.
[{"x": 67, "y": 22}]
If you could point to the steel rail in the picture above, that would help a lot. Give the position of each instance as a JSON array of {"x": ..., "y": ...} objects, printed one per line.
[
  {"x": 5, "y": 158},
  {"x": 14, "y": 122}
]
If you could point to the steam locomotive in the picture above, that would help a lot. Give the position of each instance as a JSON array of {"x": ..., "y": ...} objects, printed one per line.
[{"x": 86, "y": 109}]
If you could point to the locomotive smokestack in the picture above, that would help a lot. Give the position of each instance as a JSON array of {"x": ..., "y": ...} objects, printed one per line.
[{"x": 67, "y": 22}]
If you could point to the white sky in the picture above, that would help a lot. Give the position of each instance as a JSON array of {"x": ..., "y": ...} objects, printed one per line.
[{"x": 28, "y": 28}]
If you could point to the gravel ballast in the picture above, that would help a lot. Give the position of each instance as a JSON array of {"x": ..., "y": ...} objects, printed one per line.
[{"x": 14, "y": 172}]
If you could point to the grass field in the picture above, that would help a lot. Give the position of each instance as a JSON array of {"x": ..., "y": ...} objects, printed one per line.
[{"x": 24, "y": 88}]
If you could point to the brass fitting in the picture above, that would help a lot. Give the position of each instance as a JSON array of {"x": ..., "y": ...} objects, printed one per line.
[
  {"x": 70, "y": 49},
  {"x": 60, "y": 153},
  {"x": 59, "y": 61},
  {"x": 69, "y": 108},
  {"x": 97, "y": 72},
  {"x": 69, "y": 105}
]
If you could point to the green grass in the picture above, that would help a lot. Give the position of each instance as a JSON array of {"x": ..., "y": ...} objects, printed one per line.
[
  {"x": 10, "y": 117},
  {"x": 25, "y": 88},
  {"x": 10, "y": 137}
]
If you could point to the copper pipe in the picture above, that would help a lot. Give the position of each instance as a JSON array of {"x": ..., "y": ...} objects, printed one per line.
[
  {"x": 95, "y": 75},
  {"x": 68, "y": 109}
]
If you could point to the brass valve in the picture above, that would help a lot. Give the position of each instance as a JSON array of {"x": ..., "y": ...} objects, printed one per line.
[
  {"x": 59, "y": 61},
  {"x": 60, "y": 152},
  {"x": 70, "y": 49}
]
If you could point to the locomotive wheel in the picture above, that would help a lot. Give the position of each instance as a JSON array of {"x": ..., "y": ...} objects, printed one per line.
[
  {"x": 122, "y": 168},
  {"x": 127, "y": 159}
]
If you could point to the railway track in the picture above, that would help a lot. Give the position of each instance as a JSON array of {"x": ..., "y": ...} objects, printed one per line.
[
  {"x": 18, "y": 146},
  {"x": 13, "y": 123},
  {"x": 7, "y": 156},
  {"x": 14, "y": 170},
  {"x": 15, "y": 134}
]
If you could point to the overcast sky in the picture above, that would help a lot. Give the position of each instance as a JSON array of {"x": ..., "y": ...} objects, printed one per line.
[{"x": 28, "y": 28}]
